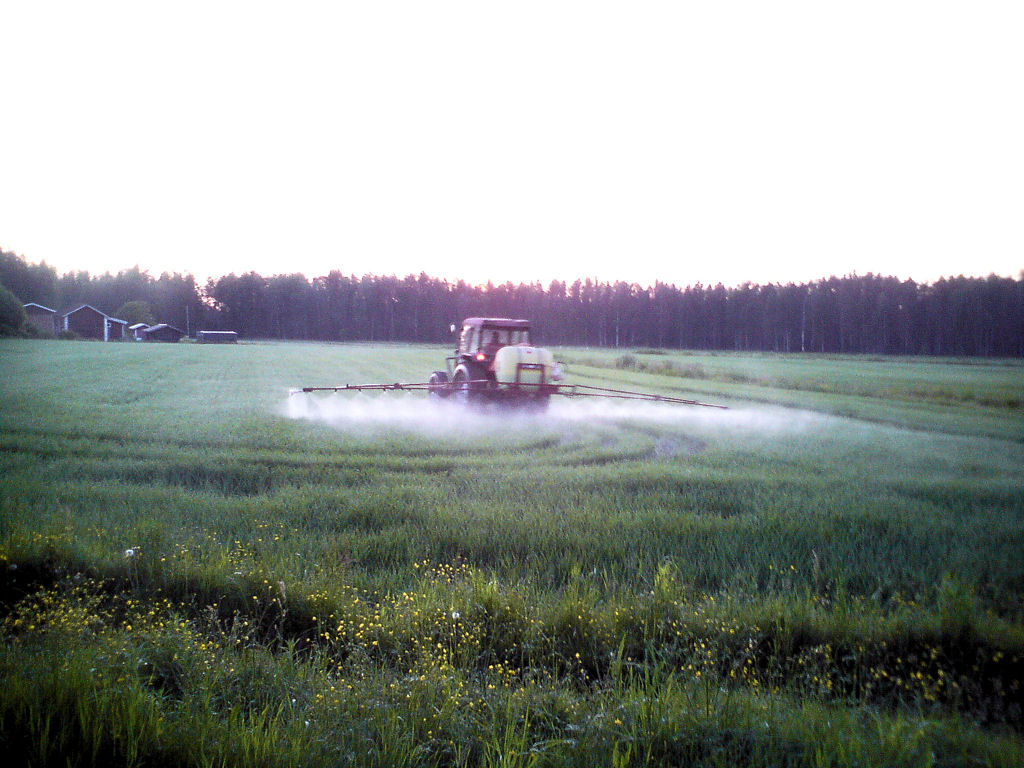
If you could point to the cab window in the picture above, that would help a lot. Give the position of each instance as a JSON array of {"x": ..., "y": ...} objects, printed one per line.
[
  {"x": 503, "y": 337},
  {"x": 466, "y": 338}
]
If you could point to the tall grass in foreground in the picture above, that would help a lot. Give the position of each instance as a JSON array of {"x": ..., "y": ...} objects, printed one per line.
[
  {"x": 189, "y": 576},
  {"x": 463, "y": 671}
]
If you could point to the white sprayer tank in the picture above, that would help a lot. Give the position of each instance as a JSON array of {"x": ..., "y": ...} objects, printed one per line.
[{"x": 525, "y": 365}]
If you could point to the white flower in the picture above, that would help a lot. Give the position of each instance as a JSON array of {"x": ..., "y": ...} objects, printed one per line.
[
  {"x": 130, "y": 552},
  {"x": 456, "y": 615}
]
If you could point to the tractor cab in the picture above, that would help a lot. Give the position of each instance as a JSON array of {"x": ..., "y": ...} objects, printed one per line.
[{"x": 482, "y": 337}]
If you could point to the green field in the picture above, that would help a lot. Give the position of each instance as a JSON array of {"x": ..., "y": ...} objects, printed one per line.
[{"x": 201, "y": 570}]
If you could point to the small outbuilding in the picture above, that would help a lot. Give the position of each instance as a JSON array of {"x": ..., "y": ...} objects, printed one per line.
[
  {"x": 137, "y": 329},
  {"x": 44, "y": 319},
  {"x": 89, "y": 323},
  {"x": 217, "y": 337},
  {"x": 162, "y": 332}
]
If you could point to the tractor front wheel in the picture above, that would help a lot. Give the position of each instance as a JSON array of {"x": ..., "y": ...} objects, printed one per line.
[
  {"x": 464, "y": 389},
  {"x": 440, "y": 387}
]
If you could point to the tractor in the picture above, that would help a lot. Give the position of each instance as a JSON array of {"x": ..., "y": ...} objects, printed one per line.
[{"x": 496, "y": 362}]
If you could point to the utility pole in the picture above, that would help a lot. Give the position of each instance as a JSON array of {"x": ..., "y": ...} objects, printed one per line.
[{"x": 803, "y": 321}]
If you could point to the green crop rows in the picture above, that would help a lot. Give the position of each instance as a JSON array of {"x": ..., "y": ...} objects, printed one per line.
[{"x": 198, "y": 569}]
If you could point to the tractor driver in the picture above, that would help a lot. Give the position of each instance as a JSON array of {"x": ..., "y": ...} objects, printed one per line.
[{"x": 493, "y": 345}]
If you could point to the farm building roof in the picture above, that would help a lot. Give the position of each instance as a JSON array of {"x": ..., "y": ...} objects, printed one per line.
[
  {"x": 161, "y": 326},
  {"x": 80, "y": 307},
  {"x": 33, "y": 305}
]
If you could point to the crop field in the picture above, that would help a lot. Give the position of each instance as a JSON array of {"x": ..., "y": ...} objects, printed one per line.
[{"x": 201, "y": 570}]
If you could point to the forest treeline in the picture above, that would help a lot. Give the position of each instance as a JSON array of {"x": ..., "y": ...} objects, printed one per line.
[{"x": 853, "y": 314}]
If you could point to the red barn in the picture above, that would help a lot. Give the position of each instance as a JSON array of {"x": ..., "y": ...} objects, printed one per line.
[
  {"x": 89, "y": 323},
  {"x": 43, "y": 318}
]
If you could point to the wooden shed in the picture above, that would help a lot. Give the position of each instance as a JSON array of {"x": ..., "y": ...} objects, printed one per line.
[
  {"x": 89, "y": 323},
  {"x": 136, "y": 331},
  {"x": 217, "y": 337},
  {"x": 162, "y": 332},
  {"x": 45, "y": 320}
]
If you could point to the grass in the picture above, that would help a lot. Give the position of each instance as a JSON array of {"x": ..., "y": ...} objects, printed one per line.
[
  {"x": 198, "y": 569},
  {"x": 929, "y": 393}
]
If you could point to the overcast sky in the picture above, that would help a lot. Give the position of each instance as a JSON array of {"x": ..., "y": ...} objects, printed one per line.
[{"x": 678, "y": 141}]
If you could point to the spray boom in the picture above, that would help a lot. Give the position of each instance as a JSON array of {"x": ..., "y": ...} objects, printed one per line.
[
  {"x": 521, "y": 391},
  {"x": 496, "y": 362}
]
